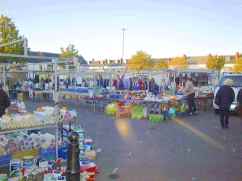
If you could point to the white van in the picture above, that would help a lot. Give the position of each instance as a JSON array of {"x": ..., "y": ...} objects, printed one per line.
[{"x": 237, "y": 85}]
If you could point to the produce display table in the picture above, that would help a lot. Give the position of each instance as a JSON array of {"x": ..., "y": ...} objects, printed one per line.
[
  {"x": 45, "y": 94},
  {"x": 151, "y": 104},
  {"x": 25, "y": 94},
  {"x": 79, "y": 97}
]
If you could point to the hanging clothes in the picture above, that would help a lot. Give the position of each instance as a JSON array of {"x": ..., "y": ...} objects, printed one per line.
[
  {"x": 131, "y": 84},
  {"x": 126, "y": 82},
  {"x": 115, "y": 84}
]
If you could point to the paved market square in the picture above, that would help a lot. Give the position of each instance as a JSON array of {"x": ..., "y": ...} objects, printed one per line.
[{"x": 184, "y": 149}]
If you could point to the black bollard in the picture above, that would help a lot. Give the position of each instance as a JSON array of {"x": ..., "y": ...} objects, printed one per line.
[{"x": 73, "y": 163}]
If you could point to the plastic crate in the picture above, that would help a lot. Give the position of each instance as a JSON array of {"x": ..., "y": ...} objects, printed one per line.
[
  {"x": 48, "y": 154},
  {"x": 5, "y": 160},
  {"x": 156, "y": 118},
  {"x": 62, "y": 152}
]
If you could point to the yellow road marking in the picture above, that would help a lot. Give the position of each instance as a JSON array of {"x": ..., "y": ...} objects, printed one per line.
[
  {"x": 124, "y": 128},
  {"x": 200, "y": 134}
]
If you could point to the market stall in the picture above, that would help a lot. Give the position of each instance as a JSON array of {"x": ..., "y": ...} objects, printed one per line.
[
  {"x": 33, "y": 144},
  {"x": 165, "y": 103},
  {"x": 140, "y": 87}
]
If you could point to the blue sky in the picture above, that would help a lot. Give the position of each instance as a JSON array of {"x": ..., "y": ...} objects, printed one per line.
[{"x": 161, "y": 28}]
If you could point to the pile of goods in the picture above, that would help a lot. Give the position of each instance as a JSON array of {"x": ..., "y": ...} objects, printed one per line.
[
  {"x": 88, "y": 167},
  {"x": 153, "y": 98},
  {"x": 87, "y": 157},
  {"x": 17, "y": 107},
  {"x": 21, "y": 141},
  {"x": 11, "y": 122},
  {"x": 41, "y": 117},
  {"x": 153, "y": 108},
  {"x": 83, "y": 92},
  {"x": 138, "y": 94},
  {"x": 137, "y": 112},
  {"x": 111, "y": 109},
  {"x": 33, "y": 156}
]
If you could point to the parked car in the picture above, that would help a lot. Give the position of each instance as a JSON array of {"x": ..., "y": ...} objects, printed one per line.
[{"x": 237, "y": 85}]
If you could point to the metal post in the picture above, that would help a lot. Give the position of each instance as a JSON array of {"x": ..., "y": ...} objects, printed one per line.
[
  {"x": 55, "y": 93},
  {"x": 57, "y": 139},
  {"x": 73, "y": 163},
  {"x": 4, "y": 76},
  {"x": 123, "y": 29},
  {"x": 25, "y": 46}
]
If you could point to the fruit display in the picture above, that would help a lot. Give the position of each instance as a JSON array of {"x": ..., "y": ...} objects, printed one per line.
[
  {"x": 137, "y": 112},
  {"x": 111, "y": 109}
]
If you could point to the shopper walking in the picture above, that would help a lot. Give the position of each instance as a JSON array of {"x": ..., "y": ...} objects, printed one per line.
[
  {"x": 239, "y": 100},
  {"x": 224, "y": 98},
  {"x": 4, "y": 101},
  {"x": 189, "y": 92}
]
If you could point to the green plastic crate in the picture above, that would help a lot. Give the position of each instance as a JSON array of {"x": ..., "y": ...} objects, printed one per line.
[{"x": 156, "y": 118}]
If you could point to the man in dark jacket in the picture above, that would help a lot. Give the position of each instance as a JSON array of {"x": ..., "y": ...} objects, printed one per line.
[
  {"x": 239, "y": 100},
  {"x": 224, "y": 99},
  {"x": 4, "y": 101}
]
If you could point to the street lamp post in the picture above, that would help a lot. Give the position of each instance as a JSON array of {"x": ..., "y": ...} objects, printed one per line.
[{"x": 123, "y": 30}]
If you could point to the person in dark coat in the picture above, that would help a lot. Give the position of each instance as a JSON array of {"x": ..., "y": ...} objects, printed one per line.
[
  {"x": 4, "y": 101},
  {"x": 239, "y": 100},
  {"x": 152, "y": 85},
  {"x": 224, "y": 98}
]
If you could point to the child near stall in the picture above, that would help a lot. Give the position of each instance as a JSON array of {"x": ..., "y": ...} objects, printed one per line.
[{"x": 165, "y": 111}]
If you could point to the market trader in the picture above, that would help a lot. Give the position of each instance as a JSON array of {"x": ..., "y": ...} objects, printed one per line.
[
  {"x": 4, "y": 101},
  {"x": 224, "y": 98},
  {"x": 189, "y": 92}
]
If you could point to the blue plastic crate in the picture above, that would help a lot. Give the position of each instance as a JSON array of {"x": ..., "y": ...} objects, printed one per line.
[
  {"x": 5, "y": 160},
  {"x": 62, "y": 152},
  {"x": 48, "y": 154}
]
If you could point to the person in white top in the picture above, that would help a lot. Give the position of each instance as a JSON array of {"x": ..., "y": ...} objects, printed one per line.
[{"x": 189, "y": 92}]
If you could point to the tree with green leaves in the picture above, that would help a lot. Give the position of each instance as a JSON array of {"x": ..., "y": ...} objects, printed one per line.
[
  {"x": 179, "y": 62},
  {"x": 238, "y": 63},
  {"x": 215, "y": 62},
  {"x": 9, "y": 33},
  {"x": 69, "y": 52},
  {"x": 140, "y": 61},
  {"x": 160, "y": 64}
]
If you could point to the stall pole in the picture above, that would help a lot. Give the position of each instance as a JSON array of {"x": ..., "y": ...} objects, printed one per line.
[
  {"x": 57, "y": 139},
  {"x": 4, "y": 76},
  {"x": 55, "y": 93},
  {"x": 58, "y": 126}
]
